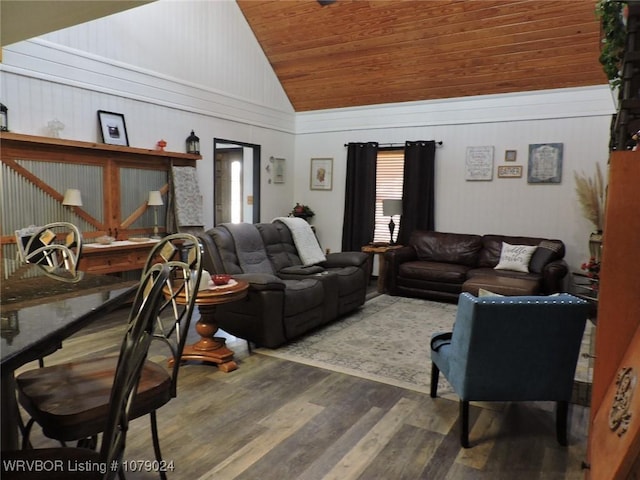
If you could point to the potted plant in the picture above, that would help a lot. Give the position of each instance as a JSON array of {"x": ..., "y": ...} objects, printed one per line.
[
  {"x": 302, "y": 211},
  {"x": 591, "y": 193},
  {"x": 614, "y": 34}
]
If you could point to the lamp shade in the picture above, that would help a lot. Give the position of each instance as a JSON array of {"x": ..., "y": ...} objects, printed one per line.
[
  {"x": 391, "y": 207},
  {"x": 72, "y": 197},
  {"x": 155, "y": 198}
]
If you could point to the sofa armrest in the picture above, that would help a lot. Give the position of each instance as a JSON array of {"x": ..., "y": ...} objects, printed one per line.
[
  {"x": 261, "y": 281},
  {"x": 394, "y": 259},
  {"x": 555, "y": 277},
  {"x": 300, "y": 270},
  {"x": 345, "y": 259}
]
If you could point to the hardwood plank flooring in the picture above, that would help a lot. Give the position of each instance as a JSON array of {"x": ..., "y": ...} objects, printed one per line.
[{"x": 280, "y": 420}]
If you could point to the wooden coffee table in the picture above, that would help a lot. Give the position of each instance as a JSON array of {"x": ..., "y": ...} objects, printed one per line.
[{"x": 211, "y": 348}]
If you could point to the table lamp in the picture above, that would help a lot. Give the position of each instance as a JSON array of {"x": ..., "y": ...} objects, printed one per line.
[
  {"x": 155, "y": 200},
  {"x": 72, "y": 197},
  {"x": 391, "y": 207}
]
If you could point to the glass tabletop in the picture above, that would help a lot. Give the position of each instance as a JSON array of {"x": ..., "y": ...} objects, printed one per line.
[{"x": 37, "y": 312}]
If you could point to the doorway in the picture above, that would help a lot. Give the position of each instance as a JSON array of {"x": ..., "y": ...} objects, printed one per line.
[{"x": 236, "y": 179}]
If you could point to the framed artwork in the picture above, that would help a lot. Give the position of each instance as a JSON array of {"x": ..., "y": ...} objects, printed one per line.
[
  {"x": 509, "y": 171},
  {"x": 321, "y": 174},
  {"x": 510, "y": 155},
  {"x": 113, "y": 128},
  {"x": 278, "y": 170},
  {"x": 545, "y": 163},
  {"x": 479, "y": 163}
]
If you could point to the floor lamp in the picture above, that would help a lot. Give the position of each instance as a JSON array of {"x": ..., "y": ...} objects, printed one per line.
[
  {"x": 155, "y": 200},
  {"x": 391, "y": 207}
]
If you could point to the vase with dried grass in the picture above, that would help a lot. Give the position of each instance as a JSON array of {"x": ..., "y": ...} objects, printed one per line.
[{"x": 591, "y": 193}]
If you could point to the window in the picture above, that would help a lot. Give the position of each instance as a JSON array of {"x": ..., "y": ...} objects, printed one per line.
[
  {"x": 236, "y": 192},
  {"x": 389, "y": 176}
]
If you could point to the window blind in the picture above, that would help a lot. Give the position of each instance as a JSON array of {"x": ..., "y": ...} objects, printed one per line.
[{"x": 389, "y": 178}]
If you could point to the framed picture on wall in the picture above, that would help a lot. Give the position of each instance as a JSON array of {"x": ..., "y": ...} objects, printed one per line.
[
  {"x": 278, "y": 170},
  {"x": 545, "y": 163},
  {"x": 509, "y": 171},
  {"x": 510, "y": 155},
  {"x": 321, "y": 174},
  {"x": 479, "y": 163},
  {"x": 113, "y": 128}
]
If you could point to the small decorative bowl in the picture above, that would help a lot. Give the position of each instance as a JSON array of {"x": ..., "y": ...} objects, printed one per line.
[
  {"x": 105, "y": 240},
  {"x": 220, "y": 278}
]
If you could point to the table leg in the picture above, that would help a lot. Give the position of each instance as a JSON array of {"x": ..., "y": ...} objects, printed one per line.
[
  {"x": 209, "y": 348},
  {"x": 382, "y": 272}
]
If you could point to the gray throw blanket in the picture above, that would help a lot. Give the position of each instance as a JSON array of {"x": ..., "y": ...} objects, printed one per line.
[{"x": 252, "y": 256}]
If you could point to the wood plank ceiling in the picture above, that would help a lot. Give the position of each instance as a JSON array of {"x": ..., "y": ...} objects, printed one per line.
[{"x": 356, "y": 52}]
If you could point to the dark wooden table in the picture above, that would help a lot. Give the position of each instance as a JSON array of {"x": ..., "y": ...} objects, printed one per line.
[
  {"x": 380, "y": 250},
  {"x": 36, "y": 314}
]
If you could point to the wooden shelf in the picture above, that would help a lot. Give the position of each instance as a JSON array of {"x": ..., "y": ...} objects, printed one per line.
[{"x": 34, "y": 142}]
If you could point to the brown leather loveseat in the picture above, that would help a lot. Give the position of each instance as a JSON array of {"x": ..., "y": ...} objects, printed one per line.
[{"x": 440, "y": 266}]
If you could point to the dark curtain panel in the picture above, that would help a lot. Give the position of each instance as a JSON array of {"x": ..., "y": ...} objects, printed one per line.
[
  {"x": 360, "y": 196},
  {"x": 418, "y": 189}
]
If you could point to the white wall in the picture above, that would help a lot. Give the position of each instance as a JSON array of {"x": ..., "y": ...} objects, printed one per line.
[
  {"x": 578, "y": 118},
  {"x": 145, "y": 64}
]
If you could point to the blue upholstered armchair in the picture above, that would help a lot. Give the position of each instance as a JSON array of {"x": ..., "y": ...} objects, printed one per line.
[{"x": 511, "y": 349}]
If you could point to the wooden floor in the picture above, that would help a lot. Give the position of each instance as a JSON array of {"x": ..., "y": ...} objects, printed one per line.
[{"x": 278, "y": 420}]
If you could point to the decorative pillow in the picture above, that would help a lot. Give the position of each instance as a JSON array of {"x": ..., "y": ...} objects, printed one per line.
[
  {"x": 487, "y": 293},
  {"x": 515, "y": 257},
  {"x": 547, "y": 251}
]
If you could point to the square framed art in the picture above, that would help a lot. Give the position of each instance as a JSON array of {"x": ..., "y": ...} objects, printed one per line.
[{"x": 113, "y": 128}]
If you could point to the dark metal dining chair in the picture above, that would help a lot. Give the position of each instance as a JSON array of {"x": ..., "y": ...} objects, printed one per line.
[
  {"x": 80, "y": 385},
  {"x": 105, "y": 463},
  {"x": 55, "y": 247}
]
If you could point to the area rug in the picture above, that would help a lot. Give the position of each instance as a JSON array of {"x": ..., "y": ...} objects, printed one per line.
[{"x": 387, "y": 340}]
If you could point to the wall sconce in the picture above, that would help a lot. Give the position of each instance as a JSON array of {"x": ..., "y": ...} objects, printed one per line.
[
  {"x": 4, "y": 118},
  {"x": 72, "y": 197},
  {"x": 391, "y": 207},
  {"x": 193, "y": 144},
  {"x": 155, "y": 200}
]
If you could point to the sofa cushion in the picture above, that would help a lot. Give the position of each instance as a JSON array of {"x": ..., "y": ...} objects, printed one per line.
[
  {"x": 503, "y": 285},
  {"x": 515, "y": 257},
  {"x": 547, "y": 251},
  {"x": 452, "y": 248},
  {"x": 302, "y": 295},
  {"x": 434, "y": 271},
  {"x": 279, "y": 245},
  {"x": 492, "y": 247},
  {"x": 250, "y": 251}
]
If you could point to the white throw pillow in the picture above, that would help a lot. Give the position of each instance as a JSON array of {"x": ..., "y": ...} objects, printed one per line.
[
  {"x": 515, "y": 257},
  {"x": 487, "y": 293}
]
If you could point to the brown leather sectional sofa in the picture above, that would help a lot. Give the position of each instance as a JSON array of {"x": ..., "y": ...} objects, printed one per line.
[{"x": 440, "y": 266}]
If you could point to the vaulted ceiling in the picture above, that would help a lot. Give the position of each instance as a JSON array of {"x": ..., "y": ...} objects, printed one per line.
[{"x": 357, "y": 52}]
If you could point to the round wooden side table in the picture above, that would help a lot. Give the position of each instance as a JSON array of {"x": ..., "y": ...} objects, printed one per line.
[{"x": 211, "y": 348}]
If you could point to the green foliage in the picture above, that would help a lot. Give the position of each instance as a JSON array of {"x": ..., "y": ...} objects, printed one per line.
[
  {"x": 614, "y": 36},
  {"x": 302, "y": 211}
]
